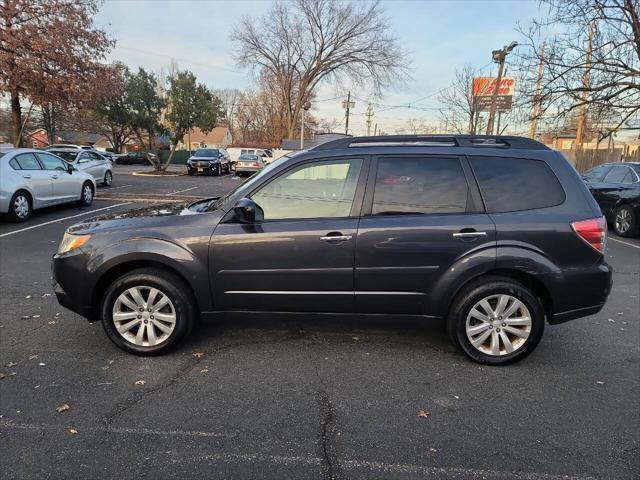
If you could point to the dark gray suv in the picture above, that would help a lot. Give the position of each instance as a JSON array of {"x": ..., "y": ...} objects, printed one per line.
[{"x": 497, "y": 235}]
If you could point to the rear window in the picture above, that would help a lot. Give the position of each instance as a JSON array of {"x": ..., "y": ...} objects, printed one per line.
[
  {"x": 513, "y": 184},
  {"x": 419, "y": 185},
  {"x": 616, "y": 174},
  {"x": 27, "y": 161}
]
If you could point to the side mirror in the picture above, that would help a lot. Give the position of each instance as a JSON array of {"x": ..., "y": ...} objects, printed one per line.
[
  {"x": 247, "y": 211},
  {"x": 70, "y": 169}
]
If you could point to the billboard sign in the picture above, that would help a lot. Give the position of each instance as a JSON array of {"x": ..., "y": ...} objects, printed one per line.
[{"x": 483, "y": 89}]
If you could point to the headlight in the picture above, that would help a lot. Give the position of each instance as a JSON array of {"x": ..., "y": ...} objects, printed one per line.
[{"x": 71, "y": 242}]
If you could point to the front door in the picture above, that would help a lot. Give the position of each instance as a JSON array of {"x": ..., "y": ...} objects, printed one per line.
[
  {"x": 420, "y": 217},
  {"x": 301, "y": 256},
  {"x": 65, "y": 186}
]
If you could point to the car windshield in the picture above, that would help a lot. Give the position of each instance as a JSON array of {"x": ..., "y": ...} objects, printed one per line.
[
  {"x": 222, "y": 201},
  {"x": 206, "y": 152},
  {"x": 249, "y": 157},
  {"x": 68, "y": 156}
]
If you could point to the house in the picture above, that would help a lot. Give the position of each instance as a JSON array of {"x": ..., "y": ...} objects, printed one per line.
[
  {"x": 219, "y": 137},
  {"x": 38, "y": 139}
]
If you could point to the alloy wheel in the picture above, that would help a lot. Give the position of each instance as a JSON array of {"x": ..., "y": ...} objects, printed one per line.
[
  {"x": 498, "y": 325},
  {"x": 144, "y": 316},
  {"x": 623, "y": 220},
  {"x": 21, "y": 206},
  {"x": 108, "y": 178},
  {"x": 87, "y": 194}
]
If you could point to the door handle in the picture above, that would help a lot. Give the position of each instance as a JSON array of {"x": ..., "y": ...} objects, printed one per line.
[
  {"x": 469, "y": 234},
  {"x": 26, "y": 176},
  {"x": 54, "y": 176},
  {"x": 336, "y": 237}
]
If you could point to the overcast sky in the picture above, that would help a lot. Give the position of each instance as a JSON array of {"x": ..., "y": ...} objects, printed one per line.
[{"x": 440, "y": 36}]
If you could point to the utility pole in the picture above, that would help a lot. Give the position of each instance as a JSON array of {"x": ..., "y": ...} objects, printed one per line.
[
  {"x": 375, "y": 130},
  {"x": 348, "y": 105},
  {"x": 369, "y": 116},
  {"x": 499, "y": 56},
  {"x": 535, "y": 112},
  {"x": 582, "y": 119},
  {"x": 305, "y": 106}
]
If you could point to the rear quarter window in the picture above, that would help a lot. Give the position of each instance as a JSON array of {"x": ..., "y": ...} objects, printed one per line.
[{"x": 514, "y": 184}]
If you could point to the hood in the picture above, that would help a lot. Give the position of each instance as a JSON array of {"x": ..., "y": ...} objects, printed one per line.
[{"x": 138, "y": 217}]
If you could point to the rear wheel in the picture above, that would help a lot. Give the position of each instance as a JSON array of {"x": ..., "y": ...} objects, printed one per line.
[
  {"x": 625, "y": 221},
  {"x": 20, "y": 206},
  {"x": 148, "y": 311},
  {"x": 496, "y": 321},
  {"x": 86, "y": 195}
]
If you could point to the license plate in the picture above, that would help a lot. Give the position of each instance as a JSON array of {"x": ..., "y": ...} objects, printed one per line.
[{"x": 200, "y": 169}]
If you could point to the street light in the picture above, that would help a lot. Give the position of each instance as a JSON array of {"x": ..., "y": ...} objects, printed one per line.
[
  {"x": 305, "y": 107},
  {"x": 499, "y": 57}
]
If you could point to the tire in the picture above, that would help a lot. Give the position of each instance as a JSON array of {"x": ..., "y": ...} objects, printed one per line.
[
  {"x": 493, "y": 290},
  {"x": 218, "y": 170},
  {"x": 190, "y": 172},
  {"x": 180, "y": 305},
  {"x": 86, "y": 195},
  {"x": 108, "y": 178},
  {"x": 20, "y": 207},
  {"x": 625, "y": 221}
]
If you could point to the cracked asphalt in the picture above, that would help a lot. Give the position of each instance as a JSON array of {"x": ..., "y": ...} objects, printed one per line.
[{"x": 313, "y": 396}]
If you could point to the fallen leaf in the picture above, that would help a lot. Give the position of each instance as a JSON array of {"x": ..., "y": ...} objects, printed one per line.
[
  {"x": 355, "y": 339},
  {"x": 600, "y": 382},
  {"x": 2, "y": 375},
  {"x": 25, "y": 317},
  {"x": 456, "y": 397},
  {"x": 35, "y": 316},
  {"x": 46, "y": 295},
  {"x": 111, "y": 362},
  {"x": 73, "y": 431},
  {"x": 620, "y": 313},
  {"x": 11, "y": 364},
  {"x": 42, "y": 364},
  {"x": 33, "y": 357},
  {"x": 433, "y": 450},
  {"x": 28, "y": 296},
  {"x": 610, "y": 320},
  {"x": 140, "y": 382},
  {"x": 52, "y": 322},
  {"x": 204, "y": 370},
  {"x": 37, "y": 386},
  {"x": 63, "y": 408},
  {"x": 423, "y": 413},
  {"x": 198, "y": 354}
]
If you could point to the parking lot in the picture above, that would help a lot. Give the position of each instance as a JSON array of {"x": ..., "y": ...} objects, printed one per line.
[{"x": 313, "y": 396}]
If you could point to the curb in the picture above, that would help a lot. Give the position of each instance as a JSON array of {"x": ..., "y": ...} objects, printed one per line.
[{"x": 145, "y": 174}]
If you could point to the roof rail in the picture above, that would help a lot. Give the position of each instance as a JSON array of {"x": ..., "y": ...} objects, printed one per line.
[{"x": 486, "y": 141}]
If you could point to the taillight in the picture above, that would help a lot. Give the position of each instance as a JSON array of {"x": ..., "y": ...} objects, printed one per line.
[
  {"x": 256, "y": 164},
  {"x": 592, "y": 231}
]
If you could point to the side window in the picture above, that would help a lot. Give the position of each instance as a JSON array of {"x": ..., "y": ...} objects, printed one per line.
[
  {"x": 316, "y": 190},
  {"x": 28, "y": 161},
  {"x": 51, "y": 162},
  {"x": 596, "y": 173},
  {"x": 14, "y": 164},
  {"x": 84, "y": 157},
  {"x": 513, "y": 184},
  {"x": 616, "y": 174},
  {"x": 95, "y": 156},
  {"x": 419, "y": 185}
]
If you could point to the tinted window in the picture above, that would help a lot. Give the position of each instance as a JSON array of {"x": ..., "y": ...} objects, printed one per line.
[
  {"x": 68, "y": 156},
  {"x": 419, "y": 185},
  {"x": 316, "y": 190},
  {"x": 512, "y": 184},
  {"x": 596, "y": 173},
  {"x": 14, "y": 164},
  {"x": 27, "y": 161},
  {"x": 616, "y": 174},
  {"x": 52, "y": 162}
]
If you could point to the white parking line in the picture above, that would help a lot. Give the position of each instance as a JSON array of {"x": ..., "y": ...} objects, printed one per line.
[
  {"x": 182, "y": 191},
  {"x": 62, "y": 219},
  {"x": 626, "y": 243}
]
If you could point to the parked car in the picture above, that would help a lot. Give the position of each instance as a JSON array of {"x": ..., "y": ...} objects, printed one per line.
[
  {"x": 497, "y": 235},
  {"x": 249, "y": 164},
  {"x": 70, "y": 145},
  {"x": 209, "y": 160},
  {"x": 31, "y": 179},
  {"x": 139, "y": 158},
  {"x": 616, "y": 188},
  {"x": 89, "y": 161}
]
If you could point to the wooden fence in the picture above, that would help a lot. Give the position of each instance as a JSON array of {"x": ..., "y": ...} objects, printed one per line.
[{"x": 585, "y": 159}]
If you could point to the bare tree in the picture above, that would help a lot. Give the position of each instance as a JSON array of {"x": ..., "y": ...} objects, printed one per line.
[
  {"x": 591, "y": 61},
  {"x": 458, "y": 111},
  {"x": 305, "y": 42}
]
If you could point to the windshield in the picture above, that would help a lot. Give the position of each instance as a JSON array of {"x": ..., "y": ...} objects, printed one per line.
[
  {"x": 215, "y": 204},
  {"x": 206, "y": 152},
  {"x": 249, "y": 157},
  {"x": 68, "y": 156}
]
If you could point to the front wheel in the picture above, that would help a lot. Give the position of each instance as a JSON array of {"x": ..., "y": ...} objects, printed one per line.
[
  {"x": 217, "y": 171},
  {"x": 496, "y": 321},
  {"x": 148, "y": 311},
  {"x": 108, "y": 179},
  {"x": 625, "y": 222},
  {"x": 86, "y": 195}
]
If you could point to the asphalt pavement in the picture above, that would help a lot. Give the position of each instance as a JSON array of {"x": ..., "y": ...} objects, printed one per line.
[{"x": 304, "y": 396}]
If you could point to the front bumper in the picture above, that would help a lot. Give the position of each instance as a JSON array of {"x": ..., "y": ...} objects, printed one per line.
[
  {"x": 203, "y": 168},
  {"x": 72, "y": 284}
]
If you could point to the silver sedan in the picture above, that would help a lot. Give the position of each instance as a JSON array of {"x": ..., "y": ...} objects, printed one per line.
[
  {"x": 32, "y": 179},
  {"x": 87, "y": 160}
]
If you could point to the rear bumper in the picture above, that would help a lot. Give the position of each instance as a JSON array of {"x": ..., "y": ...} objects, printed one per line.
[{"x": 581, "y": 293}]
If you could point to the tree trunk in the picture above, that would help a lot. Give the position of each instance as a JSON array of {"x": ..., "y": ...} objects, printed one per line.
[
  {"x": 16, "y": 119},
  {"x": 173, "y": 150}
]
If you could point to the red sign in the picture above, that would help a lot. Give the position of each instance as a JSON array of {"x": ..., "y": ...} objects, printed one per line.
[{"x": 487, "y": 85}]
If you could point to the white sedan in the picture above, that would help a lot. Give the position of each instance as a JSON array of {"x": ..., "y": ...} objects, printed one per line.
[
  {"x": 87, "y": 160},
  {"x": 32, "y": 179}
]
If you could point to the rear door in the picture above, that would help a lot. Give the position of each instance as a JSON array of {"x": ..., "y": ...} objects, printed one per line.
[
  {"x": 301, "y": 256},
  {"x": 422, "y": 213},
  {"x": 97, "y": 165},
  {"x": 613, "y": 186},
  {"x": 37, "y": 179}
]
